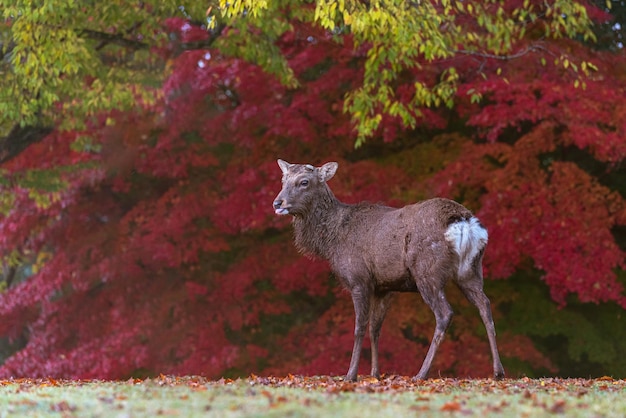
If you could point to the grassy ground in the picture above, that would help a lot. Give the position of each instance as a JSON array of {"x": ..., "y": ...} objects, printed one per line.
[{"x": 296, "y": 396}]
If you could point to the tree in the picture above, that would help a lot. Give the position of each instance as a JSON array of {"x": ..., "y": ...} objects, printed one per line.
[
  {"x": 65, "y": 62},
  {"x": 144, "y": 241},
  {"x": 402, "y": 37}
]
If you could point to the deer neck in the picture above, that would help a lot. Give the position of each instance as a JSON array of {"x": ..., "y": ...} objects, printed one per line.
[{"x": 316, "y": 231}]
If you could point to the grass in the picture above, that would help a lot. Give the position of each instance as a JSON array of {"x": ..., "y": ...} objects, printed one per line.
[{"x": 316, "y": 396}]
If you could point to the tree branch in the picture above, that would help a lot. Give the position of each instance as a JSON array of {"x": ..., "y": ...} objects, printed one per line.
[
  {"x": 207, "y": 43},
  {"x": 19, "y": 139},
  {"x": 527, "y": 50},
  {"x": 112, "y": 38},
  {"x": 6, "y": 50}
]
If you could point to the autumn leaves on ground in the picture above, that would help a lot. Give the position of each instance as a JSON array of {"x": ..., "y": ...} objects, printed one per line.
[
  {"x": 137, "y": 235},
  {"x": 391, "y": 396}
]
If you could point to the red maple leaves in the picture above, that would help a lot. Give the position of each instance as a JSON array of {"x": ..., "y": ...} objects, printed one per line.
[{"x": 164, "y": 254}]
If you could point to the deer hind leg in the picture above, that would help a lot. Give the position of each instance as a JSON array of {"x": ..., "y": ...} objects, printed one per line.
[
  {"x": 472, "y": 287},
  {"x": 378, "y": 309},
  {"x": 433, "y": 295}
]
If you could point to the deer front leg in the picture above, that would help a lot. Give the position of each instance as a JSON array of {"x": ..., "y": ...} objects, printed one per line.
[
  {"x": 361, "y": 302},
  {"x": 378, "y": 309}
]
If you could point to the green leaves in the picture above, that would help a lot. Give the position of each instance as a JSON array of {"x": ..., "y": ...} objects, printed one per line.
[
  {"x": 404, "y": 36},
  {"x": 256, "y": 26},
  {"x": 92, "y": 58}
]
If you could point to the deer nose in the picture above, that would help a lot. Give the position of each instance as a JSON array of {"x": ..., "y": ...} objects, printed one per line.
[{"x": 277, "y": 204}]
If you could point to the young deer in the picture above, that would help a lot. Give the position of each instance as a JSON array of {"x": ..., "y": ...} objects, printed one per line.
[{"x": 375, "y": 250}]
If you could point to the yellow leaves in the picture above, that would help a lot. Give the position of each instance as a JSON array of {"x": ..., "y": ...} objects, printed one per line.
[
  {"x": 42, "y": 258},
  {"x": 55, "y": 53},
  {"x": 567, "y": 18},
  {"x": 327, "y": 13},
  {"x": 475, "y": 97},
  {"x": 43, "y": 199},
  {"x": 588, "y": 65},
  {"x": 572, "y": 66},
  {"x": 7, "y": 202},
  {"x": 347, "y": 18},
  {"x": 232, "y": 8},
  {"x": 403, "y": 35}
]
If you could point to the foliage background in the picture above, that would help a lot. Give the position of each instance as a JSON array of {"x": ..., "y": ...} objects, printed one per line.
[{"x": 138, "y": 171}]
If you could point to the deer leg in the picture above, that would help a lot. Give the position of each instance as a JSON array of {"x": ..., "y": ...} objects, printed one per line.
[
  {"x": 473, "y": 291},
  {"x": 361, "y": 300},
  {"x": 378, "y": 310},
  {"x": 436, "y": 300}
]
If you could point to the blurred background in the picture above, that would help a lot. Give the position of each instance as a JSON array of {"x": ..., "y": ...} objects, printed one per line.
[{"x": 138, "y": 167}]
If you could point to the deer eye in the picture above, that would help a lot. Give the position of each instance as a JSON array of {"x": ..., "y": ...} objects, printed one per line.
[{"x": 304, "y": 183}]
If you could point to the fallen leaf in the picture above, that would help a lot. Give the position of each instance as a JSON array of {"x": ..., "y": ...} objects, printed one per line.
[
  {"x": 451, "y": 407},
  {"x": 558, "y": 407},
  {"x": 62, "y": 407}
]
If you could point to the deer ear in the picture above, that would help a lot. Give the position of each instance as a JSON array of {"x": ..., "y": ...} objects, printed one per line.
[
  {"x": 327, "y": 171},
  {"x": 284, "y": 166}
]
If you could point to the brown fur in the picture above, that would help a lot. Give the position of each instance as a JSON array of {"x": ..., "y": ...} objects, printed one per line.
[{"x": 375, "y": 250}]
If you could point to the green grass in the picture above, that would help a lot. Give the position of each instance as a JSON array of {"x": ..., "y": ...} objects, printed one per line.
[{"x": 296, "y": 396}]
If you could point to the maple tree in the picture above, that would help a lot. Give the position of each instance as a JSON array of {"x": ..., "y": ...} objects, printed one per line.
[
  {"x": 64, "y": 62},
  {"x": 149, "y": 245},
  {"x": 402, "y": 37}
]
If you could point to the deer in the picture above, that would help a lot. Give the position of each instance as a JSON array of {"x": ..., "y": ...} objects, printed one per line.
[{"x": 375, "y": 250}]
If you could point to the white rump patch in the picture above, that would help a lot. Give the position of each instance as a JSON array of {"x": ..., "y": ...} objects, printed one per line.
[{"x": 468, "y": 237}]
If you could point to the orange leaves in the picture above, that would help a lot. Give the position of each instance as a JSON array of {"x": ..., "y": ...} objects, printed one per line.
[
  {"x": 425, "y": 389},
  {"x": 391, "y": 395},
  {"x": 451, "y": 407}
]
